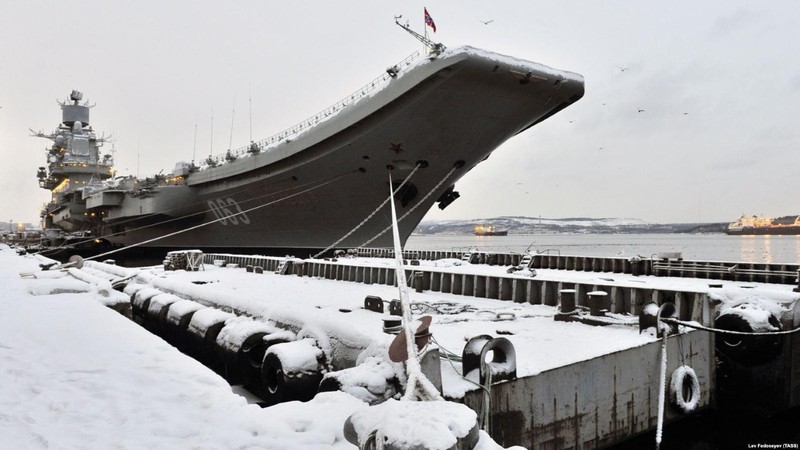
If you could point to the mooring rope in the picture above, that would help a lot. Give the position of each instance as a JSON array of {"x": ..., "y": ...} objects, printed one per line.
[
  {"x": 721, "y": 331},
  {"x": 349, "y": 233},
  {"x": 413, "y": 207},
  {"x": 216, "y": 220},
  {"x": 486, "y": 407},
  {"x": 450, "y": 356},
  {"x": 44, "y": 252},
  {"x": 662, "y": 390}
]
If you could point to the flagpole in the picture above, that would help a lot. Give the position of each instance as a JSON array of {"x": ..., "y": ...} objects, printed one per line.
[{"x": 425, "y": 29}]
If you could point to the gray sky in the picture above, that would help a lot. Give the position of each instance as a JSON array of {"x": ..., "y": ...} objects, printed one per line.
[{"x": 719, "y": 83}]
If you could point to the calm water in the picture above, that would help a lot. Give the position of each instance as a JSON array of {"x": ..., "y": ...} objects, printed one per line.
[{"x": 703, "y": 247}]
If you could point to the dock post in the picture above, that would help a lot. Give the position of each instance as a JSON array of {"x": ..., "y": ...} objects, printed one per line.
[
  {"x": 596, "y": 303},
  {"x": 567, "y": 300},
  {"x": 797, "y": 288},
  {"x": 636, "y": 266}
]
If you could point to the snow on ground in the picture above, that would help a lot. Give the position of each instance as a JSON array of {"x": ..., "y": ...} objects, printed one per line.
[
  {"x": 335, "y": 308},
  {"x": 324, "y": 307},
  {"x": 77, "y": 374}
]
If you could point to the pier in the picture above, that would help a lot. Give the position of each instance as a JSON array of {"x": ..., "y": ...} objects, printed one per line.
[
  {"x": 546, "y": 357},
  {"x": 659, "y": 264}
]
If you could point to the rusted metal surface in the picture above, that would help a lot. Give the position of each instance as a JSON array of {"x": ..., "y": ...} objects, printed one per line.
[{"x": 598, "y": 402}]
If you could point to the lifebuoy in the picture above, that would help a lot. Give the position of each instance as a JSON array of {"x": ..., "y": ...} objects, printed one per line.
[{"x": 684, "y": 389}]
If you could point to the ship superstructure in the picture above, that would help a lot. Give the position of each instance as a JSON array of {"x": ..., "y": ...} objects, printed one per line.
[
  {"x": 752, "y": 225},
  {"x": 321, "y": 184},
  {"x": 489, "y": 230},
  {"x": 75, "y": 164}
]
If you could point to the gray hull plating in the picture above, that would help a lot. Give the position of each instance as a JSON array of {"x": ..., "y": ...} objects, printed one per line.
[{"x": 444, "y": 115}]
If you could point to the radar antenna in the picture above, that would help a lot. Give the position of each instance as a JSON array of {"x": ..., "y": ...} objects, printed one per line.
[{"x": 435, "y": 48}]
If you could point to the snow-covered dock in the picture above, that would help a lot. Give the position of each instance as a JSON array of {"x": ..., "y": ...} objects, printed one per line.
[
  {"x": 551, "y": 378},
  {"x": 76, "y": 374}
]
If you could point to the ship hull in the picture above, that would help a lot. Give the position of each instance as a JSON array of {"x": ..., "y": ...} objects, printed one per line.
[
  {"x": 493, "y": 233},
  {"x": 328, "y": 187},
  {"x": 759, "y": 231}
]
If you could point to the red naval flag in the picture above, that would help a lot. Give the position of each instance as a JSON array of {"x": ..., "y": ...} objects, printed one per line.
[{"x": 429, "y": 20}]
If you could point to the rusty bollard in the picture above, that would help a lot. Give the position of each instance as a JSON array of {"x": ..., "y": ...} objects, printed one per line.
[
  {"x": 418, "y": 281},
  {"x": 567, "y": 300},
  {"x": 596, "y": 303}
]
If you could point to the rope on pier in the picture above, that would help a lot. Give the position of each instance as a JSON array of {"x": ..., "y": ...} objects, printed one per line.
[
  {"x": 721, "y": 331},
  {"x": 441, "y": 307},
  {"x": 484, "y": 414}
]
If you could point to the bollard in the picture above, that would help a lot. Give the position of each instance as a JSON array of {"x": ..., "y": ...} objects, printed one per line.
[
  {"x": 797, "y": 289},
  {"x": 418, "y": 281},
  {"x": 636, "y": 266},
  {"x": 596, "y": 300},
  {"x": 567, "y": 300}
]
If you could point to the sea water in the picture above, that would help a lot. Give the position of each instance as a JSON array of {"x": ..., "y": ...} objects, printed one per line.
[{"x": 698, "y": 247}]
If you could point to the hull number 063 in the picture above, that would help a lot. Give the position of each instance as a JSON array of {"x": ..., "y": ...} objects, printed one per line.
[{"x": 227, "y": 210}]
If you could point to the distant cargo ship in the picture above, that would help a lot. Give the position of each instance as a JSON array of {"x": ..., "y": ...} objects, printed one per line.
[
  {"x": 748, "y": 225},
  {"x": 489, "y": 231}
]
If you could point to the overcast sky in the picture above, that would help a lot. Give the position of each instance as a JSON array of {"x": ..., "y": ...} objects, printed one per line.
[{"x": 719, "y": 83}]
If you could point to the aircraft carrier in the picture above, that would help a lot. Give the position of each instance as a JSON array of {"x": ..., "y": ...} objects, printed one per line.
[{"x": 320, "y": 185}]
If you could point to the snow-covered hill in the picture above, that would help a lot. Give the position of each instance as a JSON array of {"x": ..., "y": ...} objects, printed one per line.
[{"x": 533, "y": 225}]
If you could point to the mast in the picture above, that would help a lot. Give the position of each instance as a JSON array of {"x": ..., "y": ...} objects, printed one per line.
[
  {"x": 194, "y": 148},
  {"x": 434, "y": 48}
]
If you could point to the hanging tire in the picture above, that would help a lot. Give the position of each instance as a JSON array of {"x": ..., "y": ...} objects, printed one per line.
[
  {"x": 747, "y": 350},
  {"x": 684, "y": 389},
  {"x": 283, "y": 382},
  {"x": 243, "y": 364}
]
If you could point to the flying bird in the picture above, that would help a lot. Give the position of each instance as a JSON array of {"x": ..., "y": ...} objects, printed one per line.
[
  {"x": 622, "y": 69},
  {"x": 641, "y": 110},
  {"x": 487, "y": 22}
]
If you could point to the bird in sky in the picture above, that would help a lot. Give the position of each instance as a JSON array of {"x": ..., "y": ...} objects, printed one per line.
[
  {"x": 622, "y": 69},
  {"x": 641, "y": 110},
  {"x": 487, "y": 22}
]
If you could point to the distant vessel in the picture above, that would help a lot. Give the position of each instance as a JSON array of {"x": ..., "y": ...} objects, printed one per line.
[
  {"x": 750, "y": 225},
  {"x": 489, "y": 231},
  {"x": 320, "y": 184}
]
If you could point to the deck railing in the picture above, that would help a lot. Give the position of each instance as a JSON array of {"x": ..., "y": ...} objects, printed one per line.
[{"x": 320, "y": 116}]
